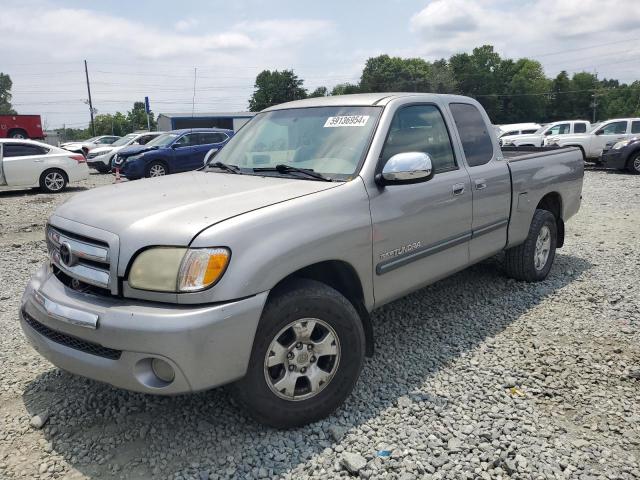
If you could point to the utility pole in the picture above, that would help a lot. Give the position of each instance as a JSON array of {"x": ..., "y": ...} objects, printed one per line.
[
  {"x": 86, "y": 72},
  {"x": 594, "y": 104}
]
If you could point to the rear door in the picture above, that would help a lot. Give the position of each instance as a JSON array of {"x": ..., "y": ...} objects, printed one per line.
[
  {"x": 207, "y": 141},
  {"x": 23, "y": 163},
  {"x": 490, "y": 181}
]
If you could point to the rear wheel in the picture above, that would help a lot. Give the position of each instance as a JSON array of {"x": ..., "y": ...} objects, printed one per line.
[
  {"x": 307, "y": 356},
  {"x": 18, "y": 134},
  {"x": 53, "y": 181},
  {"x": 532, "y": 260},
  {"x": 634, "y": 164},
  {"x": 156, "y": 169}
]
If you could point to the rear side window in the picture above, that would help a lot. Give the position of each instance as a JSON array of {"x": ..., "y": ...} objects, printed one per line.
[
  {"x": 635, "y": 127},
  {"x": 22, "y": 150},
  {"x": 213, "y": 137},
  {"x": 476, "y": 141},
  {"x": 421, "y": 128},
  {"x": 580, "y": 128}
]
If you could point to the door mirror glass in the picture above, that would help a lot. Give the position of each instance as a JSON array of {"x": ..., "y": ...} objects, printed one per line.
[
  {"x": 599, "y": 132},
  {"x": 407, "y": 167}
]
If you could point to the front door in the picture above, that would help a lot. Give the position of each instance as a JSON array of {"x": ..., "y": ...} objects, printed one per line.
[
  {"x": 22, "y": 163},
  {"x": 421, "y": 231},
  {"x": 610, "y": 133},
  {"x": 490, "y": 182},
  {"x": 183, "y": 152}
]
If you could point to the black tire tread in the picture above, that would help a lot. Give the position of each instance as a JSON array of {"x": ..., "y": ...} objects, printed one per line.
[
  {"x": 280, "y": 297},
  {"x": 44, "y": 189},
  {"x": 517, "y": 259}
]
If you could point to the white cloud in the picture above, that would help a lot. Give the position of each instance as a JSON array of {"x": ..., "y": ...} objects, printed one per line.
[
  {"x": 186, "y": 24},
  {"x": 535, "y": 28}
]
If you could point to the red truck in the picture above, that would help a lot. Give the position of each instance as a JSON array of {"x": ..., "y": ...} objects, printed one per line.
[{"x": 21, "y": 126}]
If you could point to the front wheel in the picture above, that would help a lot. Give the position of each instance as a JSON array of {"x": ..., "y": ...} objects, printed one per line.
[
  {"x": 156, "y": 169},
  {"x": 634, "y": 164},
  {"x": 532, "y": 260},
  {"x": 307, "y": 355}
]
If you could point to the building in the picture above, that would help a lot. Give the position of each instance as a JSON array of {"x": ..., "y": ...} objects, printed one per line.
[{"x": 228, "y": 120}]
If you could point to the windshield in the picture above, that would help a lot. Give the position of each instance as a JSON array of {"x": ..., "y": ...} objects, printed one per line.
[
  {"x": 329, "y": 140},
  {"x": 596, "y": 127},
  {"x": 124, "y": 140},
  {"x": 163, "y": 140}
]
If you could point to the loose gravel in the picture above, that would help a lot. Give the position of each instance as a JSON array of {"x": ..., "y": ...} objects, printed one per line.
[{"x": 477, "y": 376}]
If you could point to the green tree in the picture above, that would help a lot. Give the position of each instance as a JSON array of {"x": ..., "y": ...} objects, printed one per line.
[
  {"x": 525, "y": 93},
  {"x": 345, "y": 89},
  {"x": 394, "y": 74},
  {"x": 560, "y": 107},
  {"x": 137, "y": 118},
  {"x": 5, "y": 95},
  {"x": 319, "y": 92},
  {"x": 274, "y": 87}
]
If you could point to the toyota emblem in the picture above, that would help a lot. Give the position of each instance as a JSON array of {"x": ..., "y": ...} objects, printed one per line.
[{"x": 65, "y": 254}]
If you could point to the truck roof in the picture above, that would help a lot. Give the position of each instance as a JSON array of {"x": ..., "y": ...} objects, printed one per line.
[{"x": 364, "y": 99}]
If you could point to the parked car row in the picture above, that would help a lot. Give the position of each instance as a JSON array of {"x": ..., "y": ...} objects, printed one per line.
[
  {"x": 593, "y": 142},
  {"x": 100, "y": 158},
  {"x": 536, "y": 139}
]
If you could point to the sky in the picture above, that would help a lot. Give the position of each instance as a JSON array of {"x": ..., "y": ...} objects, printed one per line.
[{"x": 156, "y": 48}]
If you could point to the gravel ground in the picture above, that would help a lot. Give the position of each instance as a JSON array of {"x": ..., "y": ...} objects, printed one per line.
[{"x": 477, "y": 376}]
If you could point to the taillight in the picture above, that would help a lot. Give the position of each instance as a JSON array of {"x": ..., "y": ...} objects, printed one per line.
[{"x": 79, "y": 158}]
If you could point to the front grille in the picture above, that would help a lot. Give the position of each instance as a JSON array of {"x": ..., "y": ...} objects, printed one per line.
[
  {"x": 81, "y": 258},
  {"x": 70, "y": 341}
]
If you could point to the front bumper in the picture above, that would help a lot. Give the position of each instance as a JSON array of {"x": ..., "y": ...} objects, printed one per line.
[
  {"x": 612, "y": 159},
  {"x": 206, "y": 346},
  {"x": 99, "y": 163}
]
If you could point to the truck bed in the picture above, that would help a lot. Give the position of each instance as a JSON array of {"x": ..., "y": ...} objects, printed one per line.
[{"x": 537, "y": 172}]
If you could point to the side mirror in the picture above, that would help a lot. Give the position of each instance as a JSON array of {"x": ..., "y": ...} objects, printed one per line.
[
  {"x": 599, "y": 132},
  {"x": 210, "y": 155},
  {"x": 406, "y": 168},
  {"x": 548, "y": 132},
  {"x": 175, "y": 145}
]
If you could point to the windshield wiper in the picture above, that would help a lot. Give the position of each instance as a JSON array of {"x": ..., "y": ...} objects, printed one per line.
[
  {"x": 282, "y": 168},
  {"x": 226, "y": 167}
]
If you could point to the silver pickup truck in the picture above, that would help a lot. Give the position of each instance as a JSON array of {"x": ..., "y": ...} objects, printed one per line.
[{"x": 262, "y": 268}]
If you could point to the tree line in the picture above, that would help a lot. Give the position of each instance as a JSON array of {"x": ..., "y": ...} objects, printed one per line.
[{"x": 510, "y": 90}]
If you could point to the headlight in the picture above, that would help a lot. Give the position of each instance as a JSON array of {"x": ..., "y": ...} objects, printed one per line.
[
  {"x": 619, "y": 145},
  {"x": 169, "y": 269},
  {"x": 508, "y": 143}
]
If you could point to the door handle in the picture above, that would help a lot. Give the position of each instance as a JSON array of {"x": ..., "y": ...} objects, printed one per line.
[
  {"x": 39, "y": 160},
  {"x": 458, "y": 189},
  {"x": 481, "y": 184}
]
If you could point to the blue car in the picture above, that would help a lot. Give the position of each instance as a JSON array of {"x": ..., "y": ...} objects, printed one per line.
[{"x": 173, "y": 152}]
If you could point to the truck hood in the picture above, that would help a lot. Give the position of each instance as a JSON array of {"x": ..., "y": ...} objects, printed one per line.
[{"x": 172, "y": 210}]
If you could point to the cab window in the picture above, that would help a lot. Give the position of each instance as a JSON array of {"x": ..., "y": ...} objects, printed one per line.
[
  {"x": 614, "y": 128},
  {"x": 421, "y": 128},
  {"x": 476, "y": 141},
  {"x": 580, "y": 128}
]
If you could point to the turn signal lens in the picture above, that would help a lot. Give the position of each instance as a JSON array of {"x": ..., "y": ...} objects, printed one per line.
[{"x": 201, "y": 268}]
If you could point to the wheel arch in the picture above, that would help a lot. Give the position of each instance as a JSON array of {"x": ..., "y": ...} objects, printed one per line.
[
  {"x": 161, "y": 160},
  {"x": 11, "y": 131},
  {"x": 552, "y": 202},
  {"x": 584, "y": 155},
  {"x": 341, "y": 276}
]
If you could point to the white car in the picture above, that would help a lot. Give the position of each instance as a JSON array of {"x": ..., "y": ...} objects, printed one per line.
[
  {"x": 85, "y": 146},
  {"x": 100, "y": 158},
  {"x": 516, "y": 129},
  {"x": 593, "y": 142},
  {"x": 563, "y": 127},
  {"x": 26, "y": 163}
]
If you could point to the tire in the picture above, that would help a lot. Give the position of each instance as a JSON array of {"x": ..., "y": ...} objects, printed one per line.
[
  {"x": 18, "y": 133},
  {"x": 53, "y": 181},
  {"x": 298, "y": 402},
  {"x": 633, "y": 165},
  {"x": 156, "y": 169},
  {"x": 522, "y": 262}
]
